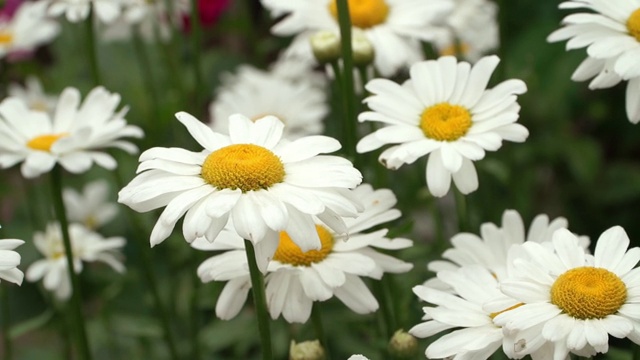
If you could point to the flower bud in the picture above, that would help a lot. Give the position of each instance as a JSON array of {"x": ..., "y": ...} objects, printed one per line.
[
  {"x": 363, "y": 52},
  {"x": 306, "y": 350},
  {"x": 325, "y": 46},
  {"x": 403, "y": 345}
]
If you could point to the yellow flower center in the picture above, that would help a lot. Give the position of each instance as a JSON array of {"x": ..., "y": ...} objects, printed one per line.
[
  {"x": 493, "y": 315},
  {"x": 288, "y": 252},
  {"x": 588, "y": 293},
  {"x": 44, "y": 142},
  {"x": 445, "y": 122},
  {"x": 455, "y": 49},
  {"x": 6, "y": 37},
  {"x": 364, "y": 13},
  {"x": 242, "y": 166},
  {"x": 633, "y": 24}
]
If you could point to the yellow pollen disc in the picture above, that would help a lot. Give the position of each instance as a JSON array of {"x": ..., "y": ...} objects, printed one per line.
[
  {"x": 242, "y": 166},
  {"x": 493, "y": 315},
  {"x": 445, "y": 122},
  {"x": 364, "y": 13},
  {"x": 289, "y": 253},
  {"x": 455, "y": 49},
  {"x": 588, "y": 293},
  {"x": 633, "y": 24},
  {"x": 6, "y": 38},
  {"x": 44, "y": 142}
]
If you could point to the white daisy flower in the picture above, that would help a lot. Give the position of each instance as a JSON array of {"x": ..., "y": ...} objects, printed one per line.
[
  {"x": 91, "y": 207},
  {"x": 445, "y": 111},
  {"x": 149, "y": 19},
  {"x": 263, "y": 183},
  {"x": 9, "y": 261},
  {"x": 299, "y": 102},
  {"x": 28, "y": 28},
  {"x": 72, "y": 136},
  {"x": 491, "y": 248},
  {"x": 472, "y": 30},
  {"x": 612, "y": 37},
  {"x": 33, "y": 95},
  {"x": 358, "y": 357},
  {"x": 78, "y": 10},
  {"x": 86, "y": 246},
  {"x": 578, "y": 299},
  {"x": 295, "y": 279},
  {"x": 394, "y": 27}
]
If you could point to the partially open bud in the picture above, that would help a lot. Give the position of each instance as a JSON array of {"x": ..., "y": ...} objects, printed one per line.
[
  {"x": 363, "y": 52},
  {"x": 403, "y": 345},
  {"x": 306, "y": 350},
  {"x": 325, "y": 46}
]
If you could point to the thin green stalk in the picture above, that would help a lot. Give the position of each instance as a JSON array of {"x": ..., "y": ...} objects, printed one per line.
[
  {"x": 316, "y": 319},
  {"x": 441, "y": 242},
  {"x": 196, "y": 44},
  {"x": 6, "y": 317},
  {"x": 76, "y": 298},
  {"x": 636, "y": 352},
  {"x": 195, "y": 314},
  {"x": 260, "y": 301},
  {"x": 170, "y": 53},
  {"x": 461, "y": 211},
  {"x": 502, "y": 28},
  {"x": 348, "y": 93},
  {"x": 385, "y": 309},
  {"x": 92, "y": 49},
  {"x": 147, "y": 76}
]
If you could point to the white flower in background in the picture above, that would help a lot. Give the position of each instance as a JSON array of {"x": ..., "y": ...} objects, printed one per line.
[
  {"x": 33, "y": 95},
  {"x": 475, "y": 334},
  {"x": 444, "y": 111},
  {"x": 73, "y": 136},
  {"x": 491, "y": 248},
  {"x": 611, "y": 34},
  {"x": 9, "y": 261},
  {"x": 261, "y": 182},
  {"x": 358, "y": 357},
  {"x": 472, "y": 30},
  {"x": 28, "y": 28},
  {"x": 149, "y": 19},
  {"x": 91, "y": 207},
  {"x": 78, "y": 10},
  {"x": 295, "y": 279},
  {"x": 298, "y": 102},
  {"x": 394, "y": 27},
  {"x": 86, "y": 246},
  {"x": 577, "y": 299}
]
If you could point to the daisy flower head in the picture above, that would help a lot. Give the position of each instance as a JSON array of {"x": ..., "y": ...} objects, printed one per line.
[
  {"x": 28, "y": 28},
  {"x": 610, "y": 32},
  {"x": 9, "y": 261},
  {"x": 72, "y": 136},
  {"x": 252, "y": 176},
  {"x": 394, "y": 27},
  {"x": 445, "y": 111},
  {"x": 33, "y": 94},
  {"x": 86, "y": 246},
  {"x": 91, "y": 207},
  {"x": 295, "y": 278},
  {"x": 577, "y": 299},
  {"x": 298, "y": 102}
]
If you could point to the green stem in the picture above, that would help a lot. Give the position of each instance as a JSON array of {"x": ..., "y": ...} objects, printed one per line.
[
  {"x": 316, "y": 318},
  {"x": 436, "y": 214},
  {"x": 6, "y": 314},
  {"x": 92, "y": 49},
  {"x": 386, "y": 307},
  {"x": 461, "y": 210},
  {"x": 260, "y": 301},
  {"x": 348, "y": 93},
  {"x": 76, "y": 297},
  {"x": 636, "y": 352},
  {"x": 147, "y": 75},
  {"x": 502, "y": 28},
  {"x": 195, "y": 314},
  {"x": 196, "y": 44}
]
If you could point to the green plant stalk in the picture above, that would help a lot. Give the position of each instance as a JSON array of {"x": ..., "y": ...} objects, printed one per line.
[
  {"x": 147, "y": 76},
  {"x": 461, "y": 210},
  {"x": 6, "y": 314},
  {"x": 260, "y": 301},
  {"x": 316, "y": 318},
  {"x": 348, "y": 93},
  {"x": 196, "y": 44},
  {"x": 76, "y": 298},
  {"x": 195, "y": 314},
  {"x": 386, "y": 307},
  {"x": 152, "y": 281},
  {"x": 92, "y": 49}
]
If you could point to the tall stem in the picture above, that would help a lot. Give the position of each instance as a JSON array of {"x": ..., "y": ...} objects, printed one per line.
[
  {"x": 92, "y": 49},
  {"x": 196, "y": 49},
  {"x": 6, "y": 314},
  {"x": 348, "y": 93},
  {"x": 147, "y": 75},
  {"x": 76, "y": 300},
  {"x": 461, "y": 210},
  {"x": 260, "y": 301}
]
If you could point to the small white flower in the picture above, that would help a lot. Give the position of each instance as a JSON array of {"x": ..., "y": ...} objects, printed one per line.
[
  {"x": 264, "y": 184},
  {"x": 298, "y": 102},
  {"x": 295, "y": 279},
  {"x": 394, "y": 27},
  {"x": 29, "y": 27},
  {"x": 445, "y": 111},
  {"x": 78, "y": 10},
  {"x": 91, "y": 207},
  {"x": 73, "y": 136},
  {"x": 9, "y": 261},
  {"x": 33, "y": 95},
  {"x": 86, "y": 246}
]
